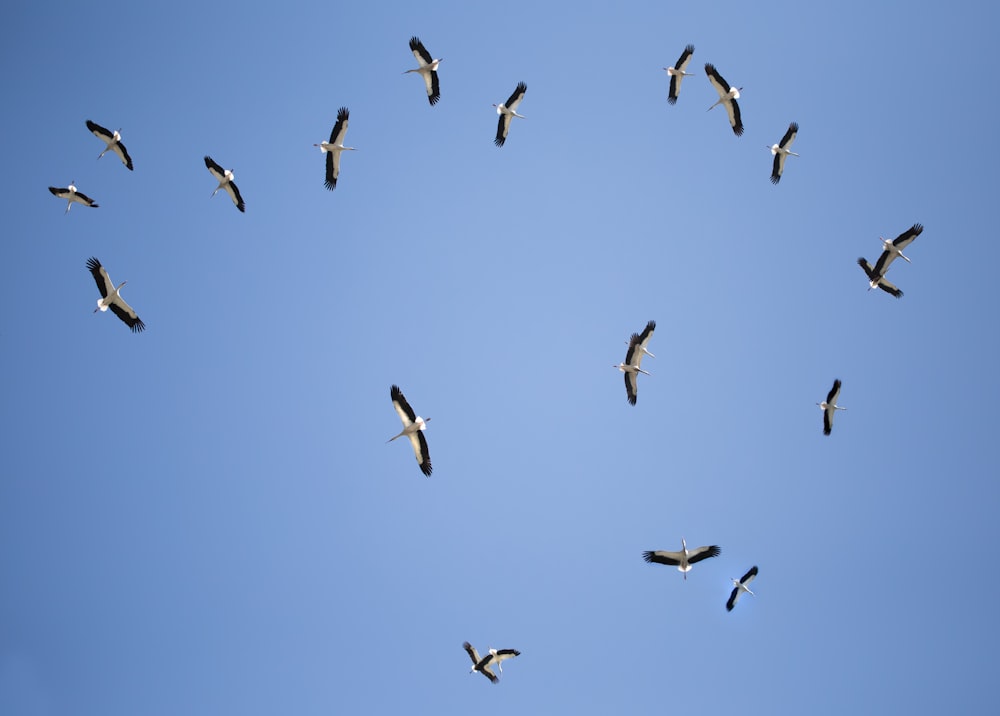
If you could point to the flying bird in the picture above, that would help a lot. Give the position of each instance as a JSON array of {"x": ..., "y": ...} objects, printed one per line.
[
  {"x": 413, "y": 428},
  {"x": 507, "y": 112},
  {"x": 894, "y": 248},
  {"x": 677, "y": 73},
  {"x": 829, "y": 406},
  {"x": 877, "y": 280},
  {"x": 740, "y": 586},
  {"x": 113, "y": 140},
  {"x": 480, "y": 665},
  {"x": 111, "y": 297},
  {"x": 70, "y": 194},
  {"x": 633, "y": 359},
  {"x": 727, "y": 97},
  {"x": 225, "y": 179},
  {"x": 683, "y": 559},
  {"x": 334, "y": 147},
  {"x": 427, "y": 69},
  {"x": 497, "y": 656},
  {"x": 781, "y": 150}
]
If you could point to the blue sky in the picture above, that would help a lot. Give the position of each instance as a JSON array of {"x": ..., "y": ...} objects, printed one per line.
[{"x": 205, "y": 518}]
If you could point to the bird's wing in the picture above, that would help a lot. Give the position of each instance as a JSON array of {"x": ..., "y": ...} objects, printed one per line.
[
  {"x": 889, "y": 288},
  {"x": 423, "y": 456},
  {"x": 340, "y": 127},
  {"x": 682, "y": 61},
  {"x": 675, "y": 88},
  {"x": 332, "y": 170},
  {"x": 122, "y": 153},
  {"x": 700, "y": 553},
  {"x": 904, "y": 239},
  {"x": 502, "y": 127},
  {"x": 749, "y": 576},
  {"x": 506, "y": 654},
  {"x": 234, "y": 194},
  {"x": 420, "y": 52},
  {"x": 731, "y": 602},
  {"x": 663, "y": 557},
  {"x": 402, "y": 407},
  {"x": 516, "y": 96},
  {"x": 721, "y": 86},
  {"x": 124, "y": 311},
  {"x": 471, "y": 650},
  {"x": 778, "y": 167},
  {"x": 789, "y": 137},
  {"x": 631, "y": 387},
  {"x": 84, "y": 199},
  {"x": 100, "y": 276},
  {"x": 217, "y": 171},
  {"x": 866, "y": 267},
  {"x": 488, "y": 673},
  {"x": 647, "y": 333},
  {"x": 100, "y": 132},
  {"x": 433, "y": 88},
  {"x": 733, "y": 109},
  {"x": 831, "y": 397},
  {"x": 882, "y": 265}
]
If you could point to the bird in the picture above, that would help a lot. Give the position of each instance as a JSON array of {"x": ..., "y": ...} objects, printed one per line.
[
  {"x": 876, "y": 280},
  {"x": 480, "y": 665},
  {"x": 427, "y": 69},
  {"x": 683, "y": 559},
  {"x": 70, "y": 194},
  {"x": 413, "y": 428},
  {"x": 113, "y": 140},
  {"x": 111, "y": 297},
  {"x": 633, "y": 358},
  {"x": 334, "y": 147},
  {"x": 894, "y": 248},
  {"x": 781, "y": 150},
  {"x": 727, "y": 96},
  {"x": 507, "y": 111},
  {"x": 225, "y": 179},
  {"x": 829, "y": 406},
  {"x": 497, "y": 656},
  {"x": 740, "y": 586},
  {"x": 677, "y": 73}
]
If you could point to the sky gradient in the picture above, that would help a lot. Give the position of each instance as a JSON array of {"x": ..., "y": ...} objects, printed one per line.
[{"x": 205, "y": 518}]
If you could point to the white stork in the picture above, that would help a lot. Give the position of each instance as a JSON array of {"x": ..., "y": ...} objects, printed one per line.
[
  {"x": 829, "y": 407},
  {"x": 876, "y": 280},
  {"x": 727, "y": 96},
  {"x": 225, "y": 179},
  {"x": 633, "y": 359},
  {"x": 894, "y": 248},
  {"x": 334, "y": 147},
  {"x": 740, "y": 586},
  {"x": 113, "y": 140},
  {"x": 480, "y": 665},
  {"x": 781, "y": 150},
  {"x": 427, "y": 69},
  {"x": 507, "y": 112},
  {"x": 413, "y": 428},
  {"x": 70, "y": 194},
  {"x": 111, "y": 297},
  {"x": 683, "y": 559},
  {"x": 677, "y": 73}
]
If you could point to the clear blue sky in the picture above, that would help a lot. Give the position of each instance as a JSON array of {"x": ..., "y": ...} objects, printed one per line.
[{"x": 205, "y": 518}]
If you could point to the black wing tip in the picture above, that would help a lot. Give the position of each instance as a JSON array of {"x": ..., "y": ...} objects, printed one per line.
[
  {"x": 415, "y": 43},
  {"x": 671, "y": 100},
  {"x": 738, "y": 130},
  {"x": 826, "y": 430},
  {"x": 709, "y": 68},
  {"x": 917, "y": 229},
  {"x": 54, "y": 190},
  {"x": 775, "y": 178},
  {"x": 713, "y": 551},
  {"x": 499, "y": 141},
  {"x": 343, "y": 114},
  {"x": 648, "y": 557},
  {"x": 331, "y": 185},
  {"x": 138, "y": 326},
  {"x": 689, "y": 48},
  {"x": 650, "y": 325},
  {"x": 632, "y": 399},
  {"x": 521, "y": 87},
  {"x": 433, "y": 99},
  {"x": 395, "y": 392},
  {"x": 794, "y": 126},
  {"x": 425, "y": 467},
  {"x": 93, "y": 264}
]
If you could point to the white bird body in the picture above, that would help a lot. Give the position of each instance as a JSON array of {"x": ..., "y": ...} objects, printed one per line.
[
  {"x": 633, "y": 359},
  {"x": 427, "y": 69},
  {"x": 894, "y": 248},
  {"x": 876, "y": 280},
  {"x": 740, "y": 586},
  {"x": 334, "y": 147},
  {"x": 830, "y": 407},
  {"x": 113, "y": 140},
  {"x": 71, "y": 195},
  {"x": 781, "y": 150},
  {"x": 225, "y": 179},
  {"x": 111, "y": 297},
  {"x": 727, "y": 97},
  {"x": 677, "y": 73},
  {"x": 413, "y": 427},
  {"x": 507, "y": 111},
  {"x": 683, "y": 559}
]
